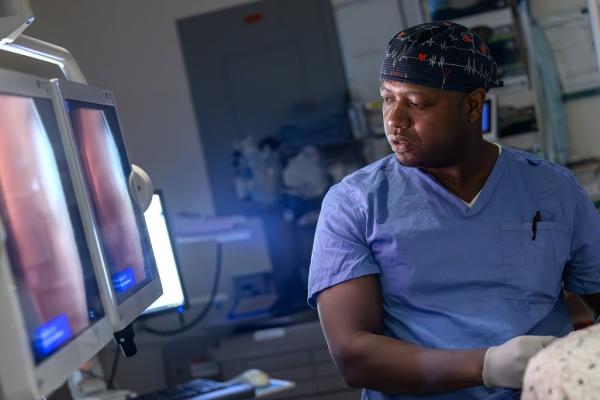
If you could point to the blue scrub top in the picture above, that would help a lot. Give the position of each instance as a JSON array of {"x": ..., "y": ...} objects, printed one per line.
[{"x": 454, "y": 277}]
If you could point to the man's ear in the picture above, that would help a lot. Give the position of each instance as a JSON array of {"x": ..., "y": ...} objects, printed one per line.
[{"x": 474, "y": 104}]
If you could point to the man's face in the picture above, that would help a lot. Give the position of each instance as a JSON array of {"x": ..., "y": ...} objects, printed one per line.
[{"x": 425, "y": 127}]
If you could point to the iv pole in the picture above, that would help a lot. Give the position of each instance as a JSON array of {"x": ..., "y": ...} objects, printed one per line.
[{"x": 594, "y": 13}]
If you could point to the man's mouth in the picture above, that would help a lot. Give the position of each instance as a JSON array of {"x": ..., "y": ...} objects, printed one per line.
[{"x": 400, "y": 144}]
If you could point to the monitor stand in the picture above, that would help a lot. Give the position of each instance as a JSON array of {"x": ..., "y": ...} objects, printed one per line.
[{"x": 124, "y": 339}]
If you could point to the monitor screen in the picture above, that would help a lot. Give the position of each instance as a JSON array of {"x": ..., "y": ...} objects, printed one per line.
[
  {"x": 121, "y": 229},
  {"x": 45, "y": 241},
  {"x": 173, "y": 296},
  {"x": 486, "y": 117}
]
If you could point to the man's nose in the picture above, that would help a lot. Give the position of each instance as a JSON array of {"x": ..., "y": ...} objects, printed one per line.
[{"x": 397, "y": 117}]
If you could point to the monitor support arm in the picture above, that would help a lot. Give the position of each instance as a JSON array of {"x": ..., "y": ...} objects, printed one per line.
[
  {"x": 15, "y": 17},
  {"x": 38, "y": 49}
]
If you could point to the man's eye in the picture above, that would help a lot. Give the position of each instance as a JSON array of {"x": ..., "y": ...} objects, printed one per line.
[
  {"x": 387, "y": 99},
  {"x": 417, "y": 105}
]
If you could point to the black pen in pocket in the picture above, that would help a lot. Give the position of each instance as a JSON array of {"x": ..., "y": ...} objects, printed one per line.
[{"x": 536, "y": 218}]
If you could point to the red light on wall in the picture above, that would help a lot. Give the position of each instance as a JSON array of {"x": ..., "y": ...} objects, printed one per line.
[{"x": 253, "y": 18}]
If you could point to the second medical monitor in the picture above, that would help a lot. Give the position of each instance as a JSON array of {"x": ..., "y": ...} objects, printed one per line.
[{"x": 91, "y": 126}]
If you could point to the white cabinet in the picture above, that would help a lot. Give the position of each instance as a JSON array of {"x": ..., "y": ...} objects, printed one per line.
[{"x": 364, "y": 28}]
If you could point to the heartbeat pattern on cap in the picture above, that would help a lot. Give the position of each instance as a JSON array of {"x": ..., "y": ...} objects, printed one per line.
[{"x": 443, "y": 55}]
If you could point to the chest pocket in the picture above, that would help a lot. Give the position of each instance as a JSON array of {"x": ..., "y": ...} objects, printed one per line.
[{"x": 533, "y": 268}]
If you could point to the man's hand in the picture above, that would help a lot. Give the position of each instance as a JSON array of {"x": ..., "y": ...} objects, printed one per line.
[{"x": 504, "y": 365}]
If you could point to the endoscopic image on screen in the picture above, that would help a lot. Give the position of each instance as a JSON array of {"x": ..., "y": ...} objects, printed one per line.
[
  {"x": 45, "y": 240},
  {"x": 125, "y": 244}
]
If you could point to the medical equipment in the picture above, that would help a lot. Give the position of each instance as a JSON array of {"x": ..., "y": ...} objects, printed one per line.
[
  {"x": 88, "y": 120},
  {"x": 174, "y": 296},
  {"x": 56, "y": 301},
  {"x": 53, "y": 318},
  {"x": 489, "y": 118},
  {"x": 15, "y": 17}
]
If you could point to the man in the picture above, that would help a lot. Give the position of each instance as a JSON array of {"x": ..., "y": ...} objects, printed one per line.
[{"x": 438, "y": 270}]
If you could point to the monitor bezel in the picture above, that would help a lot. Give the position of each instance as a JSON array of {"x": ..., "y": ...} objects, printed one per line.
[
  {"x": 120, "y": 315},
  {"x": 185, "y": 304},
  {"x": 20, "y": 377}
]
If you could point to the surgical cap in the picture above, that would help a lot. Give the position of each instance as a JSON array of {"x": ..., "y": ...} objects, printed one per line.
[{"x": 442, "y": 55}]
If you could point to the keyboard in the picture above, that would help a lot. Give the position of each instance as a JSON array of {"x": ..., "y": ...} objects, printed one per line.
[{"x": 202, "y": 389}]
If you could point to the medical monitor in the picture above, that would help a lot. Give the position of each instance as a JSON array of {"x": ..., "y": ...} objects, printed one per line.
[
  {"x": 52, "y": 317},
  {"x": 489, "y": 119},
  {"x": 90, "y": 125},
  {"x": 173, "y": 297},
  {"x": 486, "y": 120}
]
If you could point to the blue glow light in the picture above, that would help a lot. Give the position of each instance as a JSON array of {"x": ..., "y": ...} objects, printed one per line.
[
  {"x": 486, "y": 117},
  {"x": 123, "y": 280},
  {"x": 51, "y": 335}
]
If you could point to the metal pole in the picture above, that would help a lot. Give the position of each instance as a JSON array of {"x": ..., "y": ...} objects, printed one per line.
[{"x": 594, "y": 13}]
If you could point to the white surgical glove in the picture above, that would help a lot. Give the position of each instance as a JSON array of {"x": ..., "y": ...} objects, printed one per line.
[{"x": 504, "y": 365}]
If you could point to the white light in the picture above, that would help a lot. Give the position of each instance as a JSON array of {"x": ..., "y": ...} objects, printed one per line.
[{"x": 165, "y": 258}]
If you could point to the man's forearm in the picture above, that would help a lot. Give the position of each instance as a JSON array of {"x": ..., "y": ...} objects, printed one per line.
[
  {"x": 592, "y": 301},
  {"x": 392, "y": 366}
]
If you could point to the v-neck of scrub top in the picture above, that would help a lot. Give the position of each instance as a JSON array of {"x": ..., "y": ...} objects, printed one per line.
[
  {"x": 472, "y": 202},
  {"x": 482, "y": 197}
]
